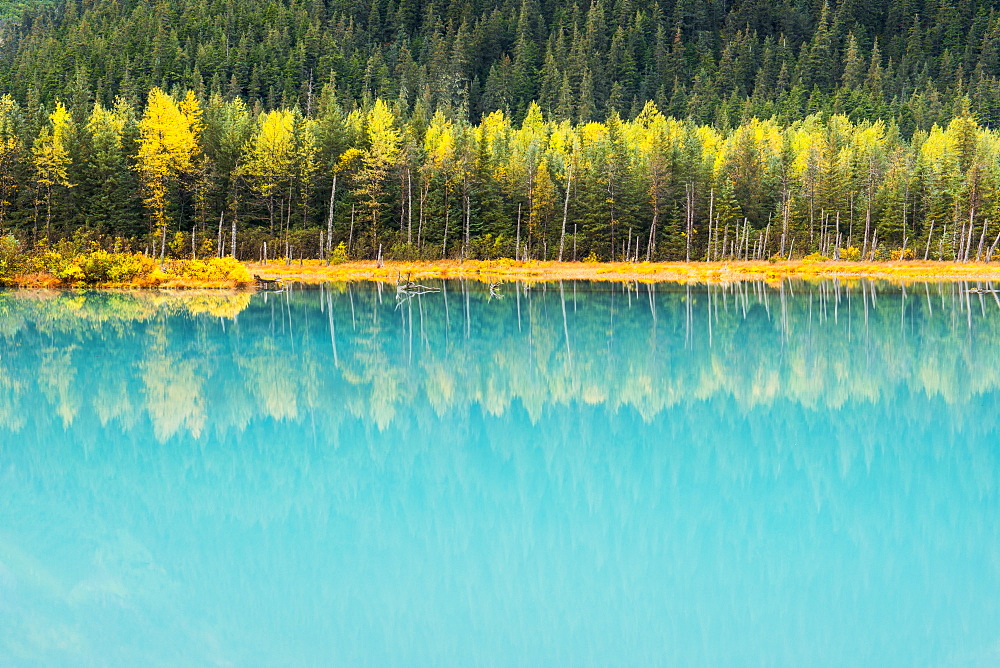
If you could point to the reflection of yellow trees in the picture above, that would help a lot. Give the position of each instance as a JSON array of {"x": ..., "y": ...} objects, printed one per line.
[
  {"x": 11, "y": 389},
  {"x": 56, "y": 378},
  {"x": 173, "y": 388},
  {"x": 272, "y": 380},
  {"x": 384, "y": 379},
  {"x": 112, "y": 402},
  {"x": 421, "y": 364},
  {"x": 218, "y": 305},
  {"x": 54, "y": 311},
  {"x": 173, "y": 396}
]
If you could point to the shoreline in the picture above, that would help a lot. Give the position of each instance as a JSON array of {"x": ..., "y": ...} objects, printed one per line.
[
  {"x": 491, "y": 271},
  {"x": 314, "y": 271}
]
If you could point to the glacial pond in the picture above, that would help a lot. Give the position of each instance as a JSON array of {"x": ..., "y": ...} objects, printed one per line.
[{"x": 574, "y": 474}]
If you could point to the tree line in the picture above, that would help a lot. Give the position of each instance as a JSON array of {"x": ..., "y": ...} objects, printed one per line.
[
  {"x": 716, "y": 62},
  {"x": 184, "y": 177}
]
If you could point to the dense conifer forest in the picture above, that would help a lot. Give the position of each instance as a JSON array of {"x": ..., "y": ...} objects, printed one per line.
[{"x": 610, "y": 130}]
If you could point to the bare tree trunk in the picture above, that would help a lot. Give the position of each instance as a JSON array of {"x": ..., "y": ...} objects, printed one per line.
[
  {"x": 409, "y": 207},
  {"x": 711, "y": 212},
  {"x": 468, "y": 213},
  {"x": 329, "y": 218},
  {"x": 689, "y": 205},
  {"x": 444, "y": 245},
  {"x": 48, "y": 212},
  {"x": 989, "y": 258},
  {"x": 850, "y": 226},
  {"x": 163, "y": 235},
  {"x": 218, "y": 240},
  {"x": 562, "y": 234},
  {"x": 288, "y": 229},
  {"x": 967, "y": 244},
  {"x": 927, "y": 251},
  {"x": 836, "y": 248},
  {"x": 652, "y": 228},
  {"x": 824, "y": 219},
  {"x": 420, "y": 219},
  {"x": 350, "y": 237},
  {"x": 517, "y": 243},
  {"x": 785, "y": 214},
  {"x": 868, "y": 226},
  {"x": 233, "y": 234}
]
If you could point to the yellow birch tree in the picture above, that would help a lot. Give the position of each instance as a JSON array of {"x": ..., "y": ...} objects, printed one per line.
[
  {"x": 270, "y": 157},
  {"x": 51, "y": 157},
  {"x": 168, "y": 146},
  {"x": 11, "y": 148}
]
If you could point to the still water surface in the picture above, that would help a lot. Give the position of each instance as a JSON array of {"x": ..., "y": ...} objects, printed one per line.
[{"x": 563, "y": 475}]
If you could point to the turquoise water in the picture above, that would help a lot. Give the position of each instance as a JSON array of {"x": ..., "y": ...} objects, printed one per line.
[{"x": 566, "y": 475}]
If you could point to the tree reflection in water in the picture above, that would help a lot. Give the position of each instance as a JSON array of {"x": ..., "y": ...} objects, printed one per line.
[{"x": 559, "y": 474}]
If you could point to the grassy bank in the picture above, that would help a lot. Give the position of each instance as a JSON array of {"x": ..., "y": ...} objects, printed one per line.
[
  {"x": 107, "y": 270},
  {"x": 314, "y": 271}
]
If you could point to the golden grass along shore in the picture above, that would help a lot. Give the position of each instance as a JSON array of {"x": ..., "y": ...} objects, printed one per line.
[{"x": 315, "y": 271}]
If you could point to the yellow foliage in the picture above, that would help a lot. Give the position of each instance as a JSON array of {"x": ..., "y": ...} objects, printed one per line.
[
  {"x": 50, "y": 149},
  {"x": 168, "y": 145},
  {"x": 215, "y": 270},
  {"x": 270, "y": 158}
]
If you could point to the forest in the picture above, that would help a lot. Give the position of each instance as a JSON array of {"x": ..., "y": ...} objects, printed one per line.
[{"x": 625, "y": 130}]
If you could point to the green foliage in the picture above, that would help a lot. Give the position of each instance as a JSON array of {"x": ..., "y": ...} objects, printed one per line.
[
  {"x": 10, "y": 257},
  {"x": 488, "y": 247},
  {"x": 718, "y": 63}
]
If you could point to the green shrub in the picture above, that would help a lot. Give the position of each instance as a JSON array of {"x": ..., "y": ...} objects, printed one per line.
[
  {"x": 400, "y": 251},
  {"x": 10, "y": 257}
]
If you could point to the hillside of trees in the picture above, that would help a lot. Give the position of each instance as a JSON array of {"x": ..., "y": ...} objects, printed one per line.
[
  {"x": 616, "y": 130},
  {"x": 715, "y": 62},
  {"x": 12, "y": 9}
]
